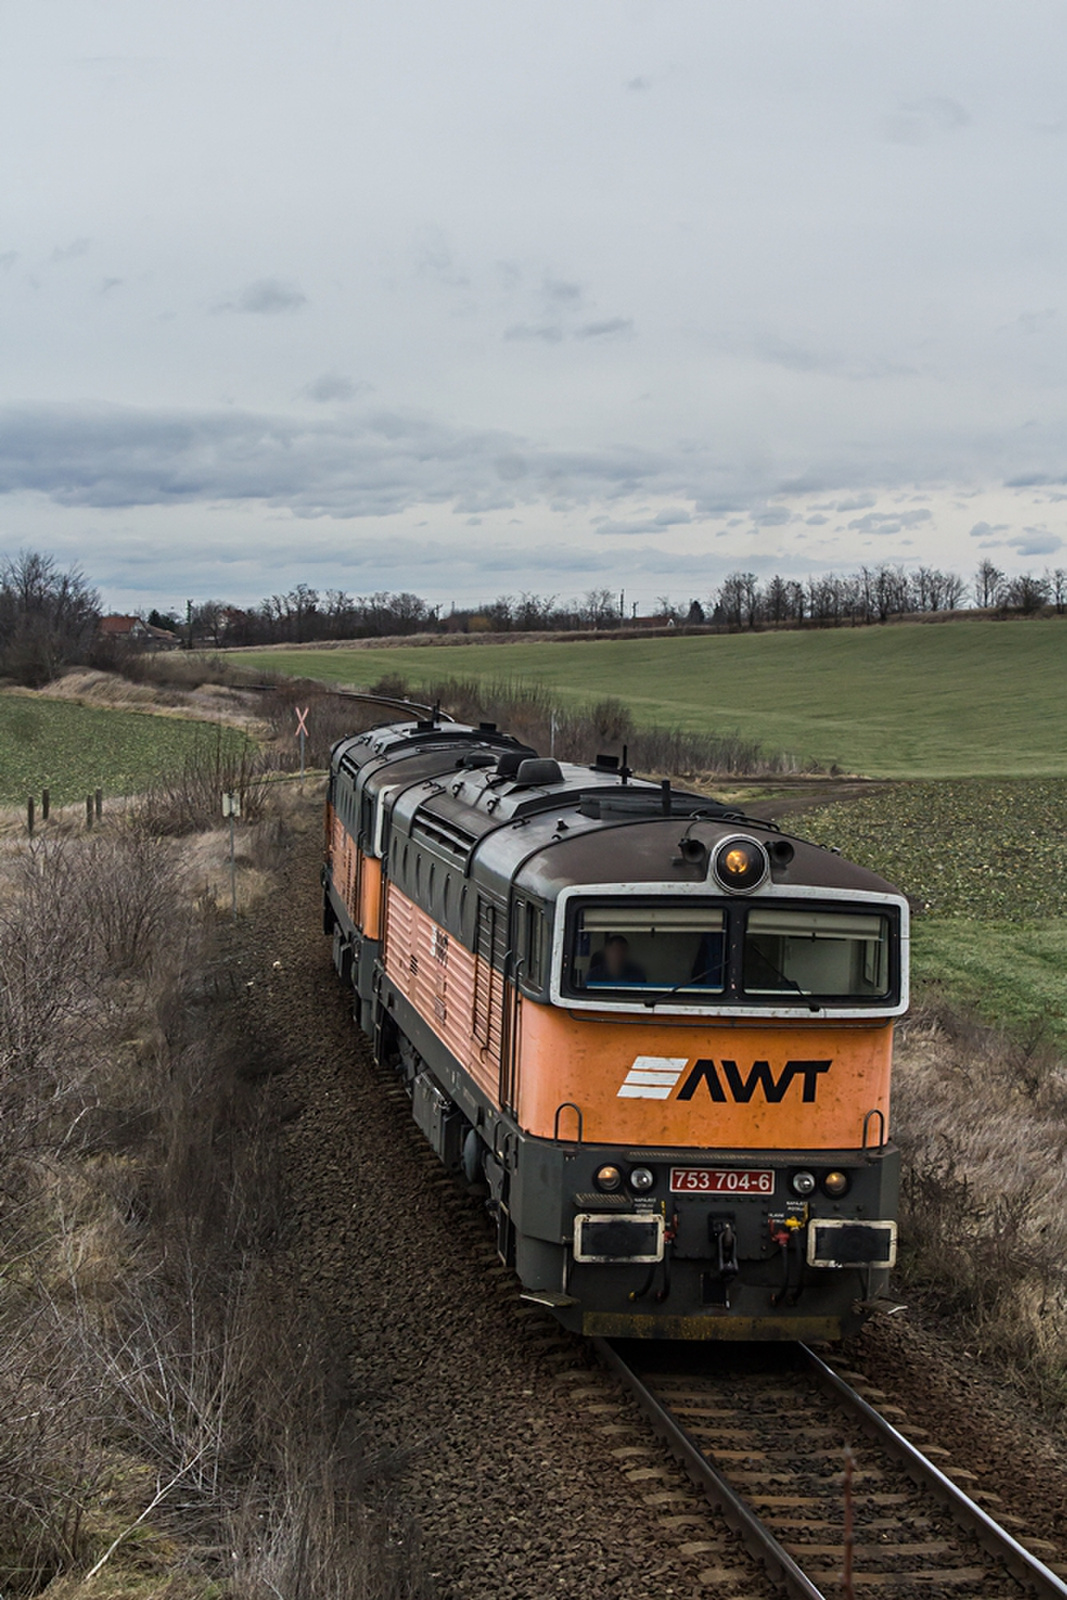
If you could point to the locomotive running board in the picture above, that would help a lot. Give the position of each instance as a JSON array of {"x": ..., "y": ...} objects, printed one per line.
[{"x": 548, "y": 1297}]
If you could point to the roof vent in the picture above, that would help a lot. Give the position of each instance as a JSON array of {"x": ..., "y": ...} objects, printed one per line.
[
  {"x": 604, "y": 763},
  {"x": 510, "y": 762},
  {"x": 540, "y": 770}
]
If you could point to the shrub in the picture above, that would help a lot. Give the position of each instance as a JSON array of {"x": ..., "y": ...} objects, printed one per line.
[
  {"x": 573, "y": 732},
  {"x": 190, "y": 800}
]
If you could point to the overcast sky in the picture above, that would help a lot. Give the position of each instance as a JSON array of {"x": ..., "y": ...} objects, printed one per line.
[{"x": 471, "y": 298}]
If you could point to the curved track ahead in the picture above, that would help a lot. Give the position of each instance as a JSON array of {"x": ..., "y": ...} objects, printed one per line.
[{"x": 767, "y": 1437}]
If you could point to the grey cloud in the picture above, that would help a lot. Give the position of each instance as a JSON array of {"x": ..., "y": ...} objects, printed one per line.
[
  {"x": 817, "y": 520},
  {"x": 333, "y": 386},
  {"x": 111, "y": 283},
  {"x": 858, "y": 502},
  {"x": 267, "y": 297},
  {"x": 638, "y": 84},
  {"x": 8, "y": 259},
  {"x": 511, "y": 467},
  {"x": 771, "y": 517},
  {"x": 986, "y": 530},
  {"x": 434, "y": 259},
  {"x": 920, "y": 121},
  {"x": 889, "y": 521},
  {"x": 560, "y": 292},
  {"x": 547, "y": 332},
  {"x": 669, "y": 517},
  {"x": 372, "y": 464},
  {"x": 794, "y": 357},
  {"x": 941, "y": 110},
  {"x": 600, "y": 330},
  {"x": 1034, "y": 321},
  {"x": 70, "y": 252},
  {"x": 1036, "y": 543}
]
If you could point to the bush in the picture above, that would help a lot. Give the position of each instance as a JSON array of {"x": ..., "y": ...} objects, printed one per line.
[
  {"x": 156, "y": 1412},
  {"x": 980, "y": 1118},
  {"x": 190, "y": 800}
]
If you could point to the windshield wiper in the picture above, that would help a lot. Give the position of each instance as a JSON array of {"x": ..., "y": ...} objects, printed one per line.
[
  {"x": 687, "y": 984},
  {"x": 790, "y": 983}
]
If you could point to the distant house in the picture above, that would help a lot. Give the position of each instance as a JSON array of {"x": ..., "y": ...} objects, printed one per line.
[{"x": 133, "y": 631}]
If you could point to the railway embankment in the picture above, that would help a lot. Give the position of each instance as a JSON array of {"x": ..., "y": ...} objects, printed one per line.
[
  {"x": 507, "y": 1419},
  {"x": 263, "y": 1327}
]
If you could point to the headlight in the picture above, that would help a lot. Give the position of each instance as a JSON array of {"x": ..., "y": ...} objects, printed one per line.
[
  {"x": 803, "y": 1183},
  {"x": 740, "y": 864},
  {"x": 642, "y": 1179},
  {"x": 836, "y": 1183},
  {"x": 608, "y": 1179}
]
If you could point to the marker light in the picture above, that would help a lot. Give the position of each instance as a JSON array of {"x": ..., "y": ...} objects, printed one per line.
[
  {"x": 642, "y": 1179},
  {"x": 803, "y": 1183},
  {"x": 608, "y": 1179},
  {"x": 836, "y": 1183},
  {"x": 740, "y": 864}
]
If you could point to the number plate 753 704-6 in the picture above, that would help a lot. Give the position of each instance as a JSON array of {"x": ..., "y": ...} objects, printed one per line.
[{"x": 721, "y": 1180}]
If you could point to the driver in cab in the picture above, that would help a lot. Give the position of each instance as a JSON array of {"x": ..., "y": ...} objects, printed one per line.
[{"x": 612, "y": 964}]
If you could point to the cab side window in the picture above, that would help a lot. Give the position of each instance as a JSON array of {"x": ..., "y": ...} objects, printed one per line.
[{"x": 531, "y": 939}]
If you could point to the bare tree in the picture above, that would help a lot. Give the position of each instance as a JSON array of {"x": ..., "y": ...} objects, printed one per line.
[
  {"x": 988, "y": 581},
  {"x": 1026, "y": 594},
  {"x": 48, "y": 618}
]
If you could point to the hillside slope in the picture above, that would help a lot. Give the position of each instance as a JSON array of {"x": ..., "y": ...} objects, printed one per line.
[{"x": 949, "y": 700}]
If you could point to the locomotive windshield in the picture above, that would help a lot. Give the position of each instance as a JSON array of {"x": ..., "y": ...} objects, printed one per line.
[
  {"x": 688, "y": 952},
  {"x": 816, "y": 952},
  {"x": 628, "y": 947}
]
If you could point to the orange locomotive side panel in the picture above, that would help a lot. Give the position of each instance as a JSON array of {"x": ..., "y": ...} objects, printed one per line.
[
  {"x": 369, "y": 912},
  {"x": 444, "y": 982},
  {"x": 744, "y": 1084},
  {"x": 357, "y": 877}
]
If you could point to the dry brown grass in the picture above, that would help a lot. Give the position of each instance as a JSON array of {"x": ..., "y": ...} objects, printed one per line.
[
  {"x": 982, "y": 1121},
  {"x": 164, "y": 1432},
  {"x": 196, "y": 700}
]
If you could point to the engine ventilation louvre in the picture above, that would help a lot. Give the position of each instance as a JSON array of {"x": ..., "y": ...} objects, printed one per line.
[{"x": 440, "y": 834}]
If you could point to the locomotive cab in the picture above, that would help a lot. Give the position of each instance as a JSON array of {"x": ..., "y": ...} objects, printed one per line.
[{"x": 659, "y": 1033}]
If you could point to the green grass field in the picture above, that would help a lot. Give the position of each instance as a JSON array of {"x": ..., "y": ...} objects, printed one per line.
[
  {"x": 945, "y": 700},
  {"x": 71, "y": 749},
  {"x": 985, "y": 863}
]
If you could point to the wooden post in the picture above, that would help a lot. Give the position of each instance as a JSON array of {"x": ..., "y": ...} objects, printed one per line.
[
  {"x": 89, "y": 812},
  {"x": 99, "y": 804},
  {"x": 29, "y": 816},
  {"x": 46, "y": 802}
]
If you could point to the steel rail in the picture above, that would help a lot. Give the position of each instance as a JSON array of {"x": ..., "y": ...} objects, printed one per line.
[
  {"x": 758, "y": 1539},
  {"x": 363, "y": 695},
  {"x": 994, "y": 1539}
]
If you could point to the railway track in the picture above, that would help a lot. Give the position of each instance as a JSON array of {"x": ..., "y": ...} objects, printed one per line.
[
  {"x": 766, "y": 1436},
  {"x": 388, "y": 702}
]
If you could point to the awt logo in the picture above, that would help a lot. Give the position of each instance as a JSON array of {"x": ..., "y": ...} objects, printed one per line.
[{"x": 667, "y": 1078}]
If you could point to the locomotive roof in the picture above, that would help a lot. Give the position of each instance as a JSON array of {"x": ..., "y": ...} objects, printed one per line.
[{"x": 490, "y": 807}]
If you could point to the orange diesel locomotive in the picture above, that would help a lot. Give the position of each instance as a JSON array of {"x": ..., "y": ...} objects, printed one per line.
[{"x": 658, "y": 1031}]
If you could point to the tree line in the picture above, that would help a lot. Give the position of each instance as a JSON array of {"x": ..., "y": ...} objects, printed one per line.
[
  {"x": 868, "y": 595},
  {"x": 49, "y": 618}
]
